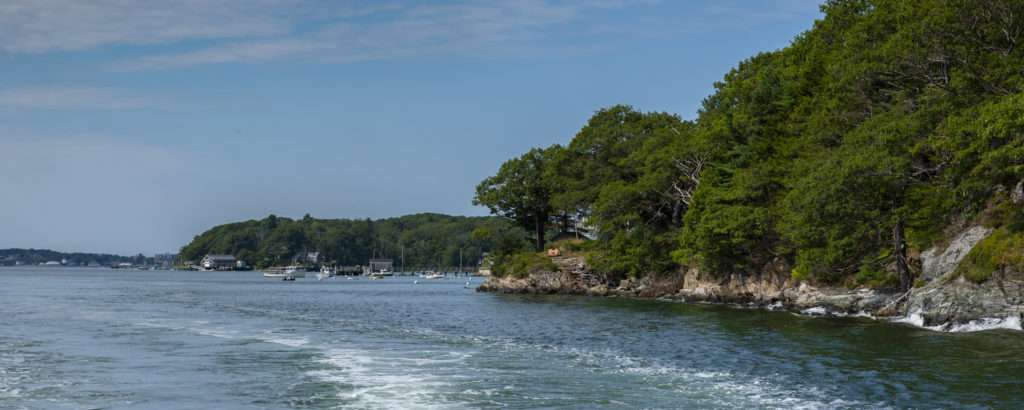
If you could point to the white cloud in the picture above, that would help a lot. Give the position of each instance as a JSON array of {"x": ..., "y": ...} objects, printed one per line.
[
  {"x": 396, "y": 31},
  {"x": 227, "y": 31},
  {"x": 70, "y": 97}
]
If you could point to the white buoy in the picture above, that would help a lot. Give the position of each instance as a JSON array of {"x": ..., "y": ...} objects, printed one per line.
[{"x": 415, "y": 281}]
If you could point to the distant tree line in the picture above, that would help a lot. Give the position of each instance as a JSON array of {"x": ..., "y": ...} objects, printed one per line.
[
  {"x": 425, "y": 240},
  {"x": 870, "y": 138},
  {"x": 10, "y": 257}
]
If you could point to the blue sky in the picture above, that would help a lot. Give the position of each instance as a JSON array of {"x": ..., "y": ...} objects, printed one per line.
[{"x": 131, "y": 126}]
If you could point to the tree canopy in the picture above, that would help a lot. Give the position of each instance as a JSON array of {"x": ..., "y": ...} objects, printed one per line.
[
  {"x": 424, "y": 240},
  {"x": 863, "y": 141}
]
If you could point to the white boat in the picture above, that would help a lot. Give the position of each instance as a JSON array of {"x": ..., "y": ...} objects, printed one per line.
[
  {"x": 324, "y": 273},
  {"x": 431, "y": 275},
  {"x": 288, "y": 272}
]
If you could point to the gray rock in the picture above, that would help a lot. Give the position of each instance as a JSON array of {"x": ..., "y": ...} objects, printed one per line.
[
  {"x": 1017, "y": 196},
  {"x": 936, "y": 265},
  {"x": 962, "y": 300}
]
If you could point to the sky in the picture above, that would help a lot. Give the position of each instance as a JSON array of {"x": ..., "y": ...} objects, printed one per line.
[{"x": 132, "y": 126}]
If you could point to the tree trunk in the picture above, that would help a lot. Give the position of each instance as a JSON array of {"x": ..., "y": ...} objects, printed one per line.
[
  {"x": 540, "y": 235},
  {"x": 899, "y": 244}
]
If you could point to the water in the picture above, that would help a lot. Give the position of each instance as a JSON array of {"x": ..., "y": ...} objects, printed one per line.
[{"x": 99, "y": 338}]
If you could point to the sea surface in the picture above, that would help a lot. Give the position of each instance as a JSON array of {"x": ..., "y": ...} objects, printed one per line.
[{"x": 100, "y": 338}]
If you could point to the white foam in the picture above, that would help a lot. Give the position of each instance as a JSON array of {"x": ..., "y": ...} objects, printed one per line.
[
  {"x": 386, "y": 379},
  {"x": 299, "y": 342},
  {"x": 815, "y": 311},
  {"x": 913, "y": 318},
  {"x": 1012, "y": 323},
  {"x": 916, "y": 318}
]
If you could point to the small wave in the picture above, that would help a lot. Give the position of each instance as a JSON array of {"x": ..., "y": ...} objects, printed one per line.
[
  {"x": 297, "y": 342},
  {"x": 707, "y": 386},
  {"x": 378, "y": 378},
  {"x": 916, "y": 318},
  {"x": 1012, "y": 323},
  {"x": 815, "y": 311}
]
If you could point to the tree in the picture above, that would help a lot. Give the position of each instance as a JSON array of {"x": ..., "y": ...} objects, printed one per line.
[{"x": 520, "y": 192}]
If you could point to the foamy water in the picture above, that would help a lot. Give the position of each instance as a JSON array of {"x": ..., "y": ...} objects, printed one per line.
[{"x": 917, "y": 319}]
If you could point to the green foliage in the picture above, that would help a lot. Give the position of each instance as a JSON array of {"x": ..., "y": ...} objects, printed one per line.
[
  {"x": 877, "y": 129},
  {"x": 578, "y": 245},
  {"x": 1003, "y": 248},
  {"x": 522, "y": 264},
  {"x": 425, "y": 240},
  {"x": 10, "y": 257},
  {"x": 520, "y": 192},
  {"x": 872, "y": 275}
]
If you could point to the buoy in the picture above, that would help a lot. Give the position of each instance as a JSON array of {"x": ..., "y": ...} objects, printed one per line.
[{"x": 415, "y": 281}]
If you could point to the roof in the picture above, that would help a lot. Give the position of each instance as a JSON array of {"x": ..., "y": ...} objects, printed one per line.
[{"x": 221, "y": 257}]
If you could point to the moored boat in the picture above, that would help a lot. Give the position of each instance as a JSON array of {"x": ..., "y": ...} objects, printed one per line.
[{"x": 288, "y": 272}]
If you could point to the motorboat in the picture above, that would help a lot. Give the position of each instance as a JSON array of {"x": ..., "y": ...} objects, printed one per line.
[
  {"x": 432, "y": 275},
  {"x": 288, "y": 272}
]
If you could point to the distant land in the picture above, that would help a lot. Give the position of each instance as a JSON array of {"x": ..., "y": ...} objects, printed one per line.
[
  {"x": 16, "y": 257},
  {"x": 423, "y": 240}
]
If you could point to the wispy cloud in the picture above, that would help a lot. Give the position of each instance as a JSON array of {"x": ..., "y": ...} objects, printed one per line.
[
  {"x": 397, "y": 31},
  {"x": 35, "y": 26},
  {"x": 226, "y": 31},
  {"x": 71, "y": 97}
]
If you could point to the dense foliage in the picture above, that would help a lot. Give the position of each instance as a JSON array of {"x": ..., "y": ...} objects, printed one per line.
[
  {"x": 37, "y": 256},
  {"x": 870, "y": 136},
  {"x": 425, "y": 240}
]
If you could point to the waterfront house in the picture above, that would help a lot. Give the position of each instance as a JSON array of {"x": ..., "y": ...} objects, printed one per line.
[
  {"x": 379, "y": 264},
  {"x": 311, "y": 257},
  {"x": 218, "y": 262}
]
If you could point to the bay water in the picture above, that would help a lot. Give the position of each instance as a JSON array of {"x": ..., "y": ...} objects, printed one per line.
[{"x": 82, "y": 338}]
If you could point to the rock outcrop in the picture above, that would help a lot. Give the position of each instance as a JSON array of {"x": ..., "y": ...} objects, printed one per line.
[
  {"x": 961, "y": 300},
  {"x": 936, "y": 265},
  {"x": 944, "y": 301}
]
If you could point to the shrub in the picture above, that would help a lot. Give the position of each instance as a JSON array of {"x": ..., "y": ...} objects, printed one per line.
[
  {"x": 522, "y": 264},
  {"x": 873, "y": 276}
]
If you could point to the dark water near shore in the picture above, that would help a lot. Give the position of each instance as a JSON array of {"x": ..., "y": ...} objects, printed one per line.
[{"x": 98, "y": 338}]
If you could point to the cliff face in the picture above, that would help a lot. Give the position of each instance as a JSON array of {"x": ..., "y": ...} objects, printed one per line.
[{"x": 945, "y": 300}]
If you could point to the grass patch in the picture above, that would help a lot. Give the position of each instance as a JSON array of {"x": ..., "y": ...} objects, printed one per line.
[
  {"x": 1003, "y": 248},
  {"x": 521, "y": 265},
  {"x": 576, "y": 245}
]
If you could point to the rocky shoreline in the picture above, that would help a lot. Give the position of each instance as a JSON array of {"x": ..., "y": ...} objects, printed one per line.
[{"x": 945, "y": 301}]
